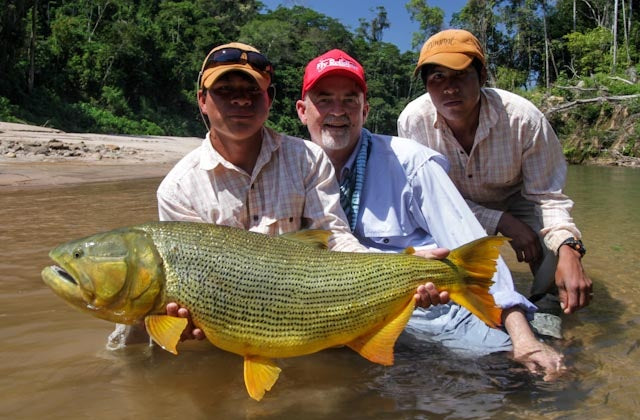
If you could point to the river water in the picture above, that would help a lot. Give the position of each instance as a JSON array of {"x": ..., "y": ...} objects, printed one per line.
[{"x": 55, "y": 365}]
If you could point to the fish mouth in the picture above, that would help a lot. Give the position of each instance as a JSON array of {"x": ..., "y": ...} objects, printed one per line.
[
  {"x": 64, "y": 285},
  {"x": 63, "y": 275}
]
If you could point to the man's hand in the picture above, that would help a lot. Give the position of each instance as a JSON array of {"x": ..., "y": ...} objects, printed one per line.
[
  {"x": 540, "y": 358},
  {"x": 427, "y": 294},
  {"x": 524, "y": 240},
  {"x": 574, "y": 287},
  {"x": 536, "y": 356},
  {"x": 190, "y": 332}
]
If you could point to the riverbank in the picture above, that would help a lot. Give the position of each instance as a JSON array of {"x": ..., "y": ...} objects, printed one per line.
[{"x": 32, "y": 156}]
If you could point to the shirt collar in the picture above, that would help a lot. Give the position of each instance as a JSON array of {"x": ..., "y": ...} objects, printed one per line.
[
  {"x": 210, "y": 158},
  {"x": 352, "y": 158}
]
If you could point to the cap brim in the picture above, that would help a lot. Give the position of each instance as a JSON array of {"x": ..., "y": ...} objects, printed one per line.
[
  {"x": 455, "y": 61},
  {"x": 212, "y": 74}
]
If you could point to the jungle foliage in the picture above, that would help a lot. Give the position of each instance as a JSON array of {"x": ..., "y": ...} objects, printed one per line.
[{"x": 130, "y": 66}]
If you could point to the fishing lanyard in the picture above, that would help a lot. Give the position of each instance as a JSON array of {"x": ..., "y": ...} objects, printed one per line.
[{"x": 351, "y": 186}]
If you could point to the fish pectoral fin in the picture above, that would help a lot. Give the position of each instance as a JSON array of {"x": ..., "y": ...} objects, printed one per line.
[
  {"x": 377, "y": 345},
  {"x": 165, "y": 330},
  {"x": 316, "y": 238},
  {"x": 259, "y": 375}
]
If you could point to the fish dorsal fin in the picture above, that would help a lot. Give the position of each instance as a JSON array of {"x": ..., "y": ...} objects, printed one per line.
[
  {"x": 165, "y": 330},
  {"x": 478, "y": 260},
  {"x": 377, "y": 345},
  {"x": 316, "y": 238},
  {"x": 260, "y": 375}
]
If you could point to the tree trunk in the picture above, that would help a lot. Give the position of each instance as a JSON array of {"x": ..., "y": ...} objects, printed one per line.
[
  {"x": 32, "y": 48},
  {"x": 615, "y": 37}
]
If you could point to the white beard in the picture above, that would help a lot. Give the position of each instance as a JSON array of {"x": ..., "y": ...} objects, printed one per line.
[{"x": 335, "y": 139}]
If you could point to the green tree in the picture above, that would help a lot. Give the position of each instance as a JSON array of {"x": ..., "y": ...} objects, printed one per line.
[{"x": 430, "y": 19}]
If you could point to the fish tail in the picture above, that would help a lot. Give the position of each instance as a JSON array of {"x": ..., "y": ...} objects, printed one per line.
[{"x": 477, "y": 262}]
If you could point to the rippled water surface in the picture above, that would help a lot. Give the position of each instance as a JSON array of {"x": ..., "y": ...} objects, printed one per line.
[{"x": 55, "y": 365}]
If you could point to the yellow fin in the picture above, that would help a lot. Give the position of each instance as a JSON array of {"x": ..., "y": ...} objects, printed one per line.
[
  {"x": 377, "y": 345},
  {"x": 316, "y": 238},
  {"x": 165, "y": 330},
  {"x": 477, "y": 260},
  {"x": 259, "y": 376}
]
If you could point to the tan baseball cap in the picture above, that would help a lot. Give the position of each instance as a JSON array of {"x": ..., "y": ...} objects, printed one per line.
[
  {"x": 239, "y": 57},
  {"x": 452, "y": 48}
]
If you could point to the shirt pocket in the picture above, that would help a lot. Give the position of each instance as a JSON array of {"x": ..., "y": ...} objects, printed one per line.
[
  {"x": 284, "y": 218},
  {"x": 282, "y": 224},
  {"x": 381, "y": 235}
]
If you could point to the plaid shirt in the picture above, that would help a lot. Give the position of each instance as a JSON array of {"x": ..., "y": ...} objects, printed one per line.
[
  {"x": 292, "y": 187},
  {"x": 515, "y": 151}
]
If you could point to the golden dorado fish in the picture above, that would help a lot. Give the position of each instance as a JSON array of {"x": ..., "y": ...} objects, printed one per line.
[{"x": 263, "y": 297}]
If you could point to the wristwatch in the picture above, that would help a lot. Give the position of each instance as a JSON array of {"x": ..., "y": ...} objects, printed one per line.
[{"x": 575, "y": 244}]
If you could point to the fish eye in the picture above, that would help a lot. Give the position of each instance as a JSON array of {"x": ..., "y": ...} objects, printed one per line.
[{"x": 77, "y": 254}]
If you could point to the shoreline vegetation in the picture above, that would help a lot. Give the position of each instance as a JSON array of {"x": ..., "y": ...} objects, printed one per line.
[{"x": 122, "y": 67}]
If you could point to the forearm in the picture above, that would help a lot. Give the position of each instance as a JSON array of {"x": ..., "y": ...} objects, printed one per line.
[{"x": 517, "y": 326}]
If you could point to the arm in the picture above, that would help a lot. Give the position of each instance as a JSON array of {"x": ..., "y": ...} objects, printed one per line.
[
  {"x": 544, "y": 174},
  {"x": 527, "y": 350},
  {"x": 574, "y": 287}
]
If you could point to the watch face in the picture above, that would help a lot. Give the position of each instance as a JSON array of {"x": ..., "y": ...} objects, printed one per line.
[{"x": 575, "y": 244}]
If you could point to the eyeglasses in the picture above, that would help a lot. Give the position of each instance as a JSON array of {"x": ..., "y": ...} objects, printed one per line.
[{"x": 235, "y": 55}]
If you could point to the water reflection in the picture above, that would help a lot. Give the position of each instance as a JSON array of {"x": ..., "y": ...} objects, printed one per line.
[{"x": 55, "y": 364}]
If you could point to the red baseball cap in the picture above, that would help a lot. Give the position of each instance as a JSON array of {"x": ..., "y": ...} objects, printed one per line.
[{"x": 333, "y": 63}]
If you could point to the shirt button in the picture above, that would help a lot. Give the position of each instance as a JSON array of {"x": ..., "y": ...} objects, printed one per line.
[
  {"x": 252, "y": 186},
  {"x": 255, "y": 218},
  {"x": 469, "y": 176}
]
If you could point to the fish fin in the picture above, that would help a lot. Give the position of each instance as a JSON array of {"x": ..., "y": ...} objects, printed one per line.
[
  {"x": 478, "y": 259},
  {"x": 165, "y": 330},
  {"x": 409, "y": 250},
  {"x": 316, "y": 238},
  {"x": 377, "y": 345},
  {"x": 259, "y": 375}
]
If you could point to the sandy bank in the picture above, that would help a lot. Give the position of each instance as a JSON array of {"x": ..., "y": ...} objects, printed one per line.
[{"x": 32, "y": 156}]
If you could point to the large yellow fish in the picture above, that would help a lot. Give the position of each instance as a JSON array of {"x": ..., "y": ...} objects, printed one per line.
[{"x": 263, "y": 297}]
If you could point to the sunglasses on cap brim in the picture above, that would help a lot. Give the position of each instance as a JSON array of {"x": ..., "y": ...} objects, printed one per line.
[{"x": 236, "y": 55}]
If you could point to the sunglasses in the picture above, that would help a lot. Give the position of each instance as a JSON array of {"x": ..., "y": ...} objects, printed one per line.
[{"x": 235, "y": 55}]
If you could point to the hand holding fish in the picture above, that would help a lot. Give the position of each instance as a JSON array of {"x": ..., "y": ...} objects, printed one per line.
[
  {"x": 190, "y": 332},
  {"x": 427, "y": 294}
]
